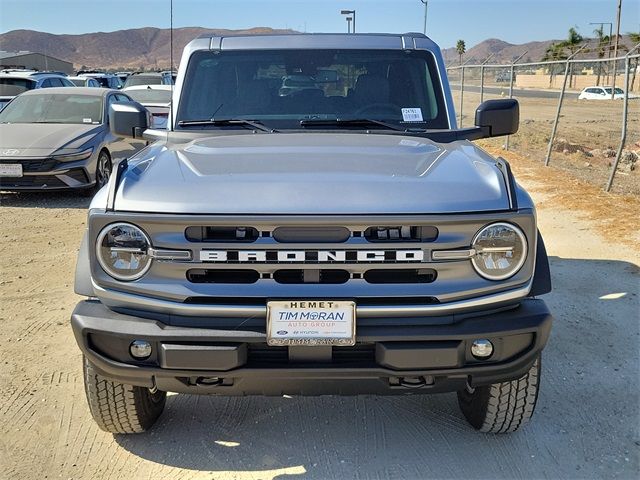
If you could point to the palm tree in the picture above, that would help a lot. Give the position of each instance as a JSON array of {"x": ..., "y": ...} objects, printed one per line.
[
  {"x": 461, "y": 48},
  {"x": 562, "y": 50},
  {"x": 635, "y": 39},
  {"x": 604, "y": 44}
]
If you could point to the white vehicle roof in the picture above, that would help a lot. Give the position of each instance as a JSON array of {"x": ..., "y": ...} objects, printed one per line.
[
  {"x": 145, "y": 87},
  {"x": 96, "y": 75}
]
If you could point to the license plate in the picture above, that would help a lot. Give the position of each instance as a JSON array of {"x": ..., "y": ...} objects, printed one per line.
[
  {"x": 311, "y": 322},
  {"x": 10, "y": 170}
]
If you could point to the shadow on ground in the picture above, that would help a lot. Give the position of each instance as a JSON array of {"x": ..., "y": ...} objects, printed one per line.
[
  {"x": 45, "y": 199},
  {"x": 585, "y": 424}
]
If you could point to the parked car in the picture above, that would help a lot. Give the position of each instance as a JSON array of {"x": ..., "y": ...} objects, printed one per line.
[
  {"x": 149, "y": 78},
  {"x": 344, "y": 240},
  {"x": 106, "y": 80},
  {"x": 123, "y": 76},
  {"x": 60, "y": 139},
  {"x": 156, "y": 99},
  {"x": 85, "y": 82},
  {"x": 504, "y": 76},
  {"x": 15, "y": 82},
  {"x": 602, "y": 93}
]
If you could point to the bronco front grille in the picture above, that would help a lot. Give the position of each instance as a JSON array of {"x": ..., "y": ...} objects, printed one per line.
[{"x": 246, "y": 260}]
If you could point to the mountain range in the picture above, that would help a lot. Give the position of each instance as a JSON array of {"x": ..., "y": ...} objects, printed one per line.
[{"x": 148, "y": 48}]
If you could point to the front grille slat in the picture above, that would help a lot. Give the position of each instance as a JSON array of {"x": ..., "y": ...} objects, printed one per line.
[
  {"x": 32, "y": 165},
  {"x": 260, "y": 354}
]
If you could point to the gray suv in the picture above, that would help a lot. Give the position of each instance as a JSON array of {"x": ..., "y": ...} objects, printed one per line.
[{"x": 344, "y": 238}]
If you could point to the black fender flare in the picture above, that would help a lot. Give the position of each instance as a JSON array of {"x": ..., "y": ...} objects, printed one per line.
[
  {"x": 542, "y": 275},
  {"x": 82, "y": 284}
]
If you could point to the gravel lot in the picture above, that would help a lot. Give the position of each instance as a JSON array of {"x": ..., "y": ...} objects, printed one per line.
[{"x": 586, "y": 424}]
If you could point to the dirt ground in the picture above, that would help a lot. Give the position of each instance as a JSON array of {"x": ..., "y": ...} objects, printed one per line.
[
  {"x": 587, "y": 138},
  {"x": 586, "y": 424}
]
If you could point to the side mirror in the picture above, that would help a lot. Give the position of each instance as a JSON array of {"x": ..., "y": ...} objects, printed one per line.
[
  {"x": 498, "y": 117},
  {"x": 128, "y": 119}
]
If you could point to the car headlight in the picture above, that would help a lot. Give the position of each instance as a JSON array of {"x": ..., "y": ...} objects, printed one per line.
[
  {"x": 123, "y": 251},
  {"x": 73, "y": 157},
  {"x": 500, "y": 251}
]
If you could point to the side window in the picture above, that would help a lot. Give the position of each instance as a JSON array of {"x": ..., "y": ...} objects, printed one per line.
[
  {"x": 46, "y": 83},
  {"x": 110, "y": 100}
]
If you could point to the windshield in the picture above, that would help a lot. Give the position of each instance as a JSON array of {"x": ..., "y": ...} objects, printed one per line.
[
  {"x": 79, "y": 82},
  {"x": 283, "y": 87},
  {"x": 150, "y": 95},
  {"x": 15, "y": 86},
  {"x": 53, "y": 108},
  {"x": 143, "y": 80},
  {"x": 618, "y": 90}
]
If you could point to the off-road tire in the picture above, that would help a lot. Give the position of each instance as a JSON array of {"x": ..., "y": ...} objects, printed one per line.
[
  {"x": 120, "y": 408},
  {"x": 502, "y": 407}
]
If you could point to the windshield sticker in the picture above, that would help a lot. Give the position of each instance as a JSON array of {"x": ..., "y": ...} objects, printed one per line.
[
  {"x": 412, "y": 114},
  {"x": 86, "y": 120}
]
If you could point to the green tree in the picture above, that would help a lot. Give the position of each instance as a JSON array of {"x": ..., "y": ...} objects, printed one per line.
[
  {"x": 603, "y": 46},
  {"x": 461, "y": 48},
  {"x": 562, "y": 50},
  {"x": 635, "y": 39}
]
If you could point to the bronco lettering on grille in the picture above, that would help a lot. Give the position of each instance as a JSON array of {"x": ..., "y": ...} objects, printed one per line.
[{"x": 311, "y": 256}]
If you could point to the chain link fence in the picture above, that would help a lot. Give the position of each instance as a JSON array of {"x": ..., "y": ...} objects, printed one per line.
[{"x": 596, "y": 139}]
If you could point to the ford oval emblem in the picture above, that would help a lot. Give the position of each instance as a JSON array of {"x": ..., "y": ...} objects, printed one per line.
[{"x": 282, "y": 332}]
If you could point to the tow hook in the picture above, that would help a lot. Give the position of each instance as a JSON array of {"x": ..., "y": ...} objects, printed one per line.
[
  {"x": 415, "y": 382},
  {"x": 209, "y": 381}
]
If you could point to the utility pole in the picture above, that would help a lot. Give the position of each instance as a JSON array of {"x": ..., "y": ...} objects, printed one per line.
[
  {"x": 426, "y": 6},
  {"x": 615, "y": 50}
]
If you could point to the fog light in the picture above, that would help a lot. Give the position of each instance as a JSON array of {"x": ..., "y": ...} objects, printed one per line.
[
  {"x": 140, "y": 349},
  {"x": 482, "y": 348}
]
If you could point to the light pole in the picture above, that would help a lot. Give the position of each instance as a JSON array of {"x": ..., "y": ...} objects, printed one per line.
[
  {"x": 349, "y": 24},
  {"x": 615, "y": 50},
  {"x": 353, "y": 13},
  {"x": 426, "y": 6}
]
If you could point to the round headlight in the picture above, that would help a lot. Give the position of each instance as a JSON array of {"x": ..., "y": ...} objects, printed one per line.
[
  {"x": 122, "y": 251},
  {"x": 501, "y": 249}
]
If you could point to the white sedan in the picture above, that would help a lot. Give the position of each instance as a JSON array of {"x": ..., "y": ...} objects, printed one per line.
[
  {"x": 601, "y": 93},
  {"x": 156, "y": 99}
]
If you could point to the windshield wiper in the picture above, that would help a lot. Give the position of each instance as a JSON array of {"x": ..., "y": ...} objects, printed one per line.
[
  {"x": 221, "y": 122},
  {"x": 353, "y": 122}
]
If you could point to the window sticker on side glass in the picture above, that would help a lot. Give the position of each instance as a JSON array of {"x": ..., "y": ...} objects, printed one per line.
[
  {"x": 86, "y": 120},
  {"x": 412, "y": 114}
]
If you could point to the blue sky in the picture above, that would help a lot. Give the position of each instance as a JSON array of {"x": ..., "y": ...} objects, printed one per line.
[{"x": 516, "y": 21}]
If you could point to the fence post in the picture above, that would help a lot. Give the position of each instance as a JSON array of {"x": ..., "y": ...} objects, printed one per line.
[
  {"x": 511, "y": 72},
  {"x": 555, "y": 122},
  {"x": 461, "y": 93},
  {"x": 482, "y": 76},
  {"x": 625, "y": 110},
  {"x": 481, "y": 83}
]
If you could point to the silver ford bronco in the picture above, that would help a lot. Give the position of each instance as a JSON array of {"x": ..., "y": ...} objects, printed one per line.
[{"x": 312, "y": 222}]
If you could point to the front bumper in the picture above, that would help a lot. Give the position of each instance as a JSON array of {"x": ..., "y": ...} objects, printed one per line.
[
  {"x": 61, "y": 176},
  {"x": 419, "y": 357}
]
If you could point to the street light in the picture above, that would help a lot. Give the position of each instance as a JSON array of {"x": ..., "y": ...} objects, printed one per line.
[
  {"x": 426, "y": 5},
  {"x": 350, "y": 12}
]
